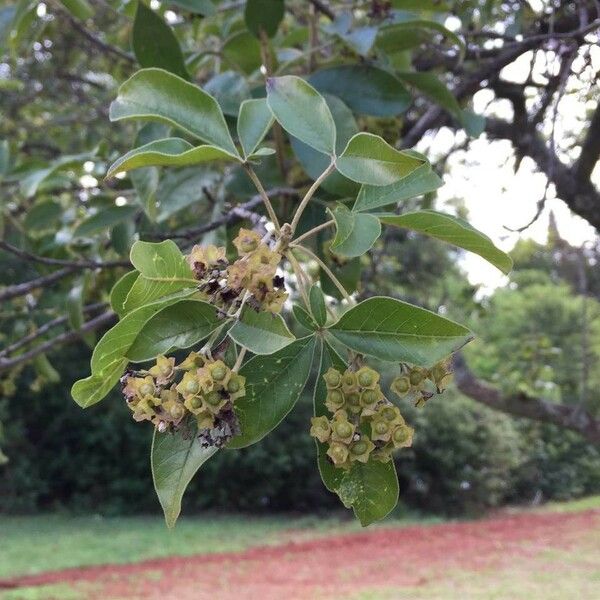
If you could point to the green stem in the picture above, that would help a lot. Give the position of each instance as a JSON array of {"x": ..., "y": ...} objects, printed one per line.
[
  {"x": 239, "y": 359},
  {"x": 313, "y": 188},
  {"x": 327, "y": 270},
  {"x": 299, "y": 272},
  {"x": 263, "y": 195},
  {"x": 313, "y": 231}
]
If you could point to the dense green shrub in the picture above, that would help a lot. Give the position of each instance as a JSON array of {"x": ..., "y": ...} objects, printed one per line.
[{"x": 465, "y": 458}]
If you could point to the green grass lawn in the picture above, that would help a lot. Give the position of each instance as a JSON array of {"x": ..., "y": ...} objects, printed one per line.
[
  {"x": 35, "y": 544},
  {"x": 40, "y": 543}
]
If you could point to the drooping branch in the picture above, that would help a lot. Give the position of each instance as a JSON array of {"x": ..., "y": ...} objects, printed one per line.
[
  {"x": 574, "y": 418},
  {"x": 20, "y": 289}
]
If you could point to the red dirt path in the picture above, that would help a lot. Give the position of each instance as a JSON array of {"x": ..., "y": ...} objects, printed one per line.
[{"x": 333, "y": 566}]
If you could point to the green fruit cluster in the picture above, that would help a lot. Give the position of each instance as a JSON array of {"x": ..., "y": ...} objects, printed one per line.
[
  {"x": 422, "y": 383},
  {"x": 253, "y": 275},
  {"x": 365, "y": 425},
  {"x": 199, "y": 389}
]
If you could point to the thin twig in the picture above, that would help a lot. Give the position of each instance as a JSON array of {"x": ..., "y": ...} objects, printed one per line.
[
  {"x": 327, "y": 270},
  {"x": 20, "y": 289},
  {"x": 63, "y": 338},
  {"x": 311, "y": 191},
  {"x": 264, "y": 196},
  {"x": 314, "y": 230},
  {"x": 75, "y": 264},
  {"x": 42, "y": 329}
]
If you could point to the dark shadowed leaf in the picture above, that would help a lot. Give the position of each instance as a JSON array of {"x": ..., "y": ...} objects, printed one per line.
[
  {"x": 263, "y": 16},
  {"x": 154, "y": 43},
  {"x": 273, "y": 385}
]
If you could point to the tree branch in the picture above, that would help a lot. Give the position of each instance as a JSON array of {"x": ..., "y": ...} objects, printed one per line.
[
  {"x": 75, "y": 264},
  {"x": 64, "y": 338},
  {"x": 520, "y": 405},
  {"x": 20, "y": 289}
]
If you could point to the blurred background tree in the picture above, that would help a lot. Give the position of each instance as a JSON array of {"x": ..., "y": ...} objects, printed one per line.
[{"x": 422, "y": 65}]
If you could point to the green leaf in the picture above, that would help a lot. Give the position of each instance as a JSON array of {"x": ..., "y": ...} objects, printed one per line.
[
  {"x": 157, "y": 95},
  {"x": 119, "y": 292},
  {"x": 175, "y": 459},
  {"x": 254, "y": 121},
  {"x": 179, "y": 325},
  {"x": 154, "y": 43},
  {"x": 314, "y": 162},
  {"x": 304, "y": 318},
  {"x": 263, "y": 15},
  {"x": 172, "y": 152},
  {"x": 33, "y": 180},
  {"x": 365, "y": 89},
  {"x": 370, "y": 159},
  {"x": 261, "y": 332},
  {"x": 200, "y": 7},
  {"x": 317, "y": 305},
  {"x": 355, "y": 232},
  {"x": 78, "y": 8},
  {"x": 432, "y": 87},
  {"x": 180, "y": 188},
  {"x": 108, "y": 359},
  {"x": 242, "y": 51},
  {"x": 392, "y": 330},
  {"x": 42, "y": 216},
  {"x": 398, "y": 37},
  {"x": 104, "y": 220},
  {"x": 229, "y": 89},
  {"x": 302, "y": 112},
  {"x": 473, "y": 123},
  {"x": 273, "y": 385},
  {"x": 421, "y": 181},
  {"x": 453, "y": 230},
  {"x": 163, "y": 271},
  {"x": 370, "y": 489}
]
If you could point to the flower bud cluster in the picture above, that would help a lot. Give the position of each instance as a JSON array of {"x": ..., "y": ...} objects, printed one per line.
[
  {"x": 365, "y": 425},
  {"x": 253, "y": 274},
  {"x": 422, "y": 383},
  {"x": 198, "y": 389}
]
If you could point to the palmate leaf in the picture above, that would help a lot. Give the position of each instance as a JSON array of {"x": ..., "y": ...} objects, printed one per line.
[
  {"x": 254, "y": 121},
  {"x": 157, "y": 95},
  {"x": 180, "y": 325},
  {"x": 261, "y": 332},
  {"x": 355, "y": 232},
  {"x": 169, "y": 152},
  {"x": 302, "y": 112},
  {"x": 175, "y": 458},
  {"x": 392, "y": 330},
  {"x": 155, "y": 44},
  {"x": 421, "y": 181},
  {"x": 108, "y": 359},
  {"x": 365, "y": 89},
  {"x": 273, "y": 385},
  {"x": 370, "y": 489},
  {"x": 453, "y": 230},
  {"x": 163, "y": 271},
  {"x": 370, "y": 159}
]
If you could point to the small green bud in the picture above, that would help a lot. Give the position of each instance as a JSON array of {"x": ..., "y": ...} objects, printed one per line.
[
  {"x": 391, "y": 414},
  {"x": 333, "y": 378},
  {"x": 361, "y": 449},
  {"x": 177, "y": 412},
  {"x": 349, "y": 382},
  {"x": 335, "y": 400},
  {"x": 417, "y": 375},
  {"x": 320, "y": 428},
  {"x": 369, "y": 398},
  {"x": 338, "y": 453},
  {"x": 192, "y": 387},
  {"x": 402, "y": 436},
  {"x": 367, "y": 377},
  {"x": 380, "y": 429},
  {"x": 341, "y": 429},
  {"x": 401, "y": 385},
  {"x": 353, "y": 402},
  {"x": 213, "y": 398},
  {"x": 218, "y": 370},
  {"x": 196, "y": 402}
]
